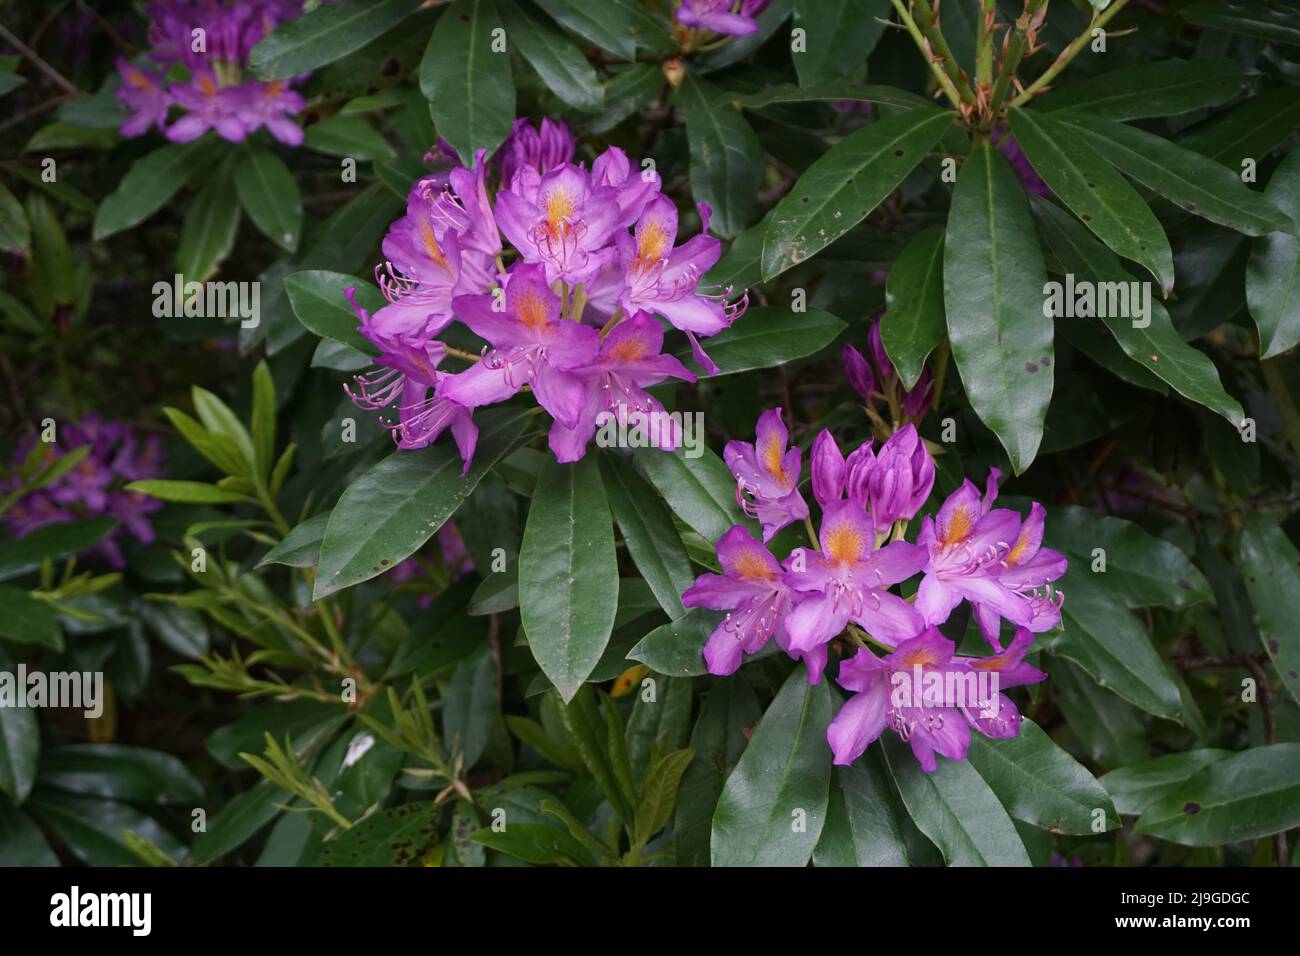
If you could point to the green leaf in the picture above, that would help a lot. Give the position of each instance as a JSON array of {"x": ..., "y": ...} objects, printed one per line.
[
  {"x": 768, "y": 336},
  {"x": 537, "y": 843},
  {"x": 700, "y": 491},
  {"x": 403, "y": 836},
  {"x": 301, "y": 546},
  {"x": 118, "y": 772},
  {"x": 568, "y": 573},
  {"x": 468, "y": 85},
  {"x": 148, "y": 184},
  {"x": 727, "y": 160},
  {"x": 773, "y": 804},
  {"x": 1189, "y": 180},
  {"x": 327, "y": 33},
  {"x": 618, "y": 26},
  {"x": 1273, "y": 272},
  {"x": 862, "y": 827},
  {"x": 15, "y": 233},
  {"x": 21, "y": 841},
  {"x": 1160, "y": 88},
  {"x": 389, "y": 512},
  {"x": 1250, "y": 130},
  {"x": 263, "y": 419},
  {"x": 54, "y": 280},
  {"x": 660, "y": 797},
  {"x": 1271, "y": 567},
  {"x": 676, "y": 648},
  {"x": 559, "y": 63},
  {"x": 1107, "y": 204},
  {"x": 1040, "y": 783},
  {"x": 1135, "y": 788},
  {"x": 25, "y": 620},
  {"x": 854, "y": 176},
  {"x": 1107, "y": 641},
  {"x": 350, "y": 136},
  {"x": 1251, "y": 794},
  {"x": 187, "y": 492},
  {"x": 95, "y": 830},
  {"x": 182, "y": 630},
  {"x": 1141, "y": 570},
  {"x": 718, "y": 740},
  {"x": 269, "y": 194},
  {"x": 1157, "y": 347},
  {"x": 20, "y": 740},
  {"x": 660, "y": 723},
  {"x": 589, "y": 734},
  {"x": 469, "y": 705},
  {"x": 1263, "y": 21},
  {"x": 839, "y": 36},
  {"x": 647, "y": 528},
  {"x": 913, "y": 323},
  {"x": 208, "y": 233},
  {"x": 18, "y": 556},
  {"x": 626, "y": 93},
  {"x": 320, "y": 302},
  {"x": 956, "y": 809},
  {"x": 1108, "y": 728},
  {"x": 993, "y": 280},
  {"x": 780, "y": 93}
]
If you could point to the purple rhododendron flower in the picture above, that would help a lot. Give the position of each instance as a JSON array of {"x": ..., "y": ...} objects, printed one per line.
[
  {"x": 728, "y": 17},
  {"x": 767, "y": 475},
  {"x": 541, "y": 148},
  {"x": 884, "y": 383},
  {"x": 94, "y": 487},
  {"x": 216, "y": 93}
]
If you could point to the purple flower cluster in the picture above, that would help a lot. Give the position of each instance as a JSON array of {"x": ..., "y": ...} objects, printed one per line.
[
  {"x": 878, "y": 379},
  {"x": 1029, "y": 178},
  {"x": 210, "y": 40},
  {"x": 594, "y": 258},
  {"x": 93, "y": 488},
  {"x": 725, "y": 17},
  {"x": 991, "y": 557}
]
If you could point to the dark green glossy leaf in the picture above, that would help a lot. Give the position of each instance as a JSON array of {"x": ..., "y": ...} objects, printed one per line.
[
  {"x": 1250, "y": 130},
  {"x": 118, "y": 772},
  {"x": 770, "y": 335},
  {"x": 20, "y": 555},
  {"x": 1273, "y": 23},
  {"x": 993, "y": 280},
  {"x": 390, "y": 511},
  {"x": 468, "y": 84},
  {"x": 1248, "y": 795},
  {"x": 568, "y": 573},
  {"x": 647, "y": 528},
  {"x": 838, "y": 36},
  {"x": 403, "y": 836},
  {"x": 301, "y": 546},
  {"x": 27, "y": 620},
  {"x": 1108, "y": 728},
  {"x": 1136, "y": 788},
  {"x": 832, "y": 93},
  {"x": 1271, "y": 567},
  {"x": 320, "y": 302},
  {"x": 660, "y": 796},
  {"x": 913, "y": 323},
  {"x": 1160, "y": 88},
  {"x": 351, "y": 136},
  {"x": 1273, "y": 273},
  {"x": 773, "y": 804},
  {"x": 469, "y": 705},
  {"x": 676, "y": 648},
  {"x": 955, "y": 808},
  {"x": 838, "y": 191},
  {"x": 537, "y": 843},
  {"x": 1040, "y": 783},
  {"x": 727, "y": 160},
  {"x": 556, "y": 59},
  {"x": 324, "y": 35},
  {"x": 20, "y": 739},
  {"x": 270, "y": 196},
  {"x": 148, "y": 184},
  {"x": 93, "y": 829},
  {"x": 21, "y": 842},
  {"x": 208, "y": 233},
  {"x": 1107, "y": 204},
  {"x": 862, "y": 826},
  {"x": 619, "y": 26},
  {"x": 700, "y": 491}
]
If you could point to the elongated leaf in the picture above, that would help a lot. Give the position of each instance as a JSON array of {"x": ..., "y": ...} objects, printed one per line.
[
  {"x": 660, "y": 798},
  {"x": 1134, "y": 789},
  {"x": 21, "y": 842},
  {"x": 187, "y": 492},
  {"x": 324, "y": 35},
  {"x": 1271, "y": 567},
  {"x": 270, "y": 196},
  {"x": 1250, "y": 130},
  {"x": 26, "y": 620},
  {"x": 1098, "y": 195},
  {"x": 469, "y": 705},
  {"x": 833, "y": 93},
  {"x": 838, "y": 191},
  {"x": 1273, "y": 23},
  {"x": 20, "y": 742},
  {"x": 1109, "y": 729},
  {"x": 301, "y": 546},
  {"x": 773, "y": 804},
  {"x": 993, "y": 281},
  {"x": 1040, "y": 783},
  {"x": 95, "y": 829},
  {"x": 676, "y": 648},
  {"x": 1108, "y": 642},
  {"x": 319, "y": 300},
  {"x": 862, "y": 827},
  {"x": 1273, "y": 272},
  {"x": 913, "y": 323},
  {"x": 768, "y": 336},
  {"x": 15, "y": 233},
  {"x": 1194, "y": 182},
  {"x": 1160, "y": 88},
  {"x": 955, "y": 808},
  {"x": 1250, "y": 794},
  {"x": 1157, "y": 347},
  {"x": 568, "y": 574},
  {"x": 718, "y": 740},
  {"x": 647, "y": 529},
  {"x": 619, "y": 26},
  {"x": 838, "y": 36},
  {"x": 1141, "y": 570},
  {"x": 537, "y": 843},
  {"x": 701, "y": 491},
  {"x": 148, "y": 184},
  {"x": 352, "y": 136},
  {"x": 557, "y": 61},
  {"x": 468, "y": 84},
  {"x": 389, "y": 512},
  {"x": 208, "y": 233},
  {"x": 118, "y": 772},
  {"x": 403, "y": 836},
  {"x": 727, "y": 159},
  {"x": 54, "y": 541}
]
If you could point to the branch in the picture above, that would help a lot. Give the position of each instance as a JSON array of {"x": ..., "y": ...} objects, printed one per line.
[{"x": 1069, "y": 53}]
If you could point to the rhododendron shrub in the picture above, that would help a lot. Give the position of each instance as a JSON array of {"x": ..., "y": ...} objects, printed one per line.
[{"x": 650, "y": 432}]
